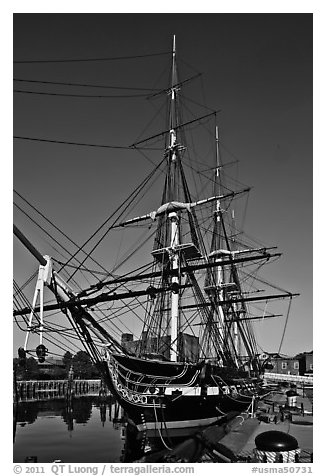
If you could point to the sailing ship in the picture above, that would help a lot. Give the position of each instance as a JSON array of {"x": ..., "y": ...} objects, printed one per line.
[{"x": 196, "y": 359}]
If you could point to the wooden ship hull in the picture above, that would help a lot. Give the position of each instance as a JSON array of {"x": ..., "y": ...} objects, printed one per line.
[{"x": 178, "y": 396}]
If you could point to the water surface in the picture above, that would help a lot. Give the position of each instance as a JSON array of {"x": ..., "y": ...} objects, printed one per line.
[{"x": 83, "y": 432}]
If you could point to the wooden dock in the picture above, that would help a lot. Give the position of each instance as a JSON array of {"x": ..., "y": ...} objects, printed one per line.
[
  {"x": 30, "y": 390},
  {"x": 296, "y": 421}
]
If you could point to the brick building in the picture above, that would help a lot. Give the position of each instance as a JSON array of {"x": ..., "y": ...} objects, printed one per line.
[
  {"x": 159, "y": 347},
  {"x": 283, "y": 364},
  {"x": 305, "y": 362}
]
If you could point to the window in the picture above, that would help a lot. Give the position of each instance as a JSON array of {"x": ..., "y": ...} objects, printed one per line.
[
  {"x": 284, "y": 365},
  {"x": 296, "y": 365}
]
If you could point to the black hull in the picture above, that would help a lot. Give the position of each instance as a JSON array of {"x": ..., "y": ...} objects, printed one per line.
[
  {"x": 186, "y": 412},
  {"x": 163, "y": 395}
]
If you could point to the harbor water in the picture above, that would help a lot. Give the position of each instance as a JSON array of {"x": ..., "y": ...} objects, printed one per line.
[
  {"x": 90, "y": 429},
  {"x": 83, "y": 432}
]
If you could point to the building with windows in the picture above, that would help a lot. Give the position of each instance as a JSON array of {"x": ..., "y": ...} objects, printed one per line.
[
  {"x": 283, "y": 364},
  {"x": 305, "y": 363},
  {"x": 159, "y": 347}
]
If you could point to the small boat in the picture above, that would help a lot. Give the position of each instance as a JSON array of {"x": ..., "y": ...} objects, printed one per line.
[{"x": 192, "y": 291}]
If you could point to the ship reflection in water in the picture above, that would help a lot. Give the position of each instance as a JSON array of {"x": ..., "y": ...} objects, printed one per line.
[{"x": 82, "y": 429}]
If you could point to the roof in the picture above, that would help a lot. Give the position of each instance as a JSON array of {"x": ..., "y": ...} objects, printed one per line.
[{"x": 276, "y": 355}]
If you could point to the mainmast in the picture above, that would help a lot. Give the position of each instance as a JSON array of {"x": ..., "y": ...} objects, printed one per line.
[
  {"x": 173, "y": 216},
  {"x": 223, "y": 285},
  {"x": 215, "y": 277},
  {"x": 217, "y": 285}
]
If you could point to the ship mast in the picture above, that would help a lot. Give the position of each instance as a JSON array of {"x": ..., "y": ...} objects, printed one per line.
[
  {"x": 217, "y": 243},
  {"x": 218, "y": 212},
  {"x": 173, "y": 216},
  {"x": 220, "y": 271}
]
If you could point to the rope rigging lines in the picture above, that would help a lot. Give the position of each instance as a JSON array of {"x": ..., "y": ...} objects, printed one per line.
[
  {"x": 86, "y": 60},
  {"x": 84, "y": 85},
  {"x": 80, "y": 144},
  {"x": 86, "y": 96}
]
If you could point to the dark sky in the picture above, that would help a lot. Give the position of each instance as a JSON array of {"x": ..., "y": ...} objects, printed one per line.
[{"x": 257, "y": 68}]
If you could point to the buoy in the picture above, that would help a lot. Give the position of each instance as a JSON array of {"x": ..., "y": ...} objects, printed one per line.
[{"x": 276, "y": 447}]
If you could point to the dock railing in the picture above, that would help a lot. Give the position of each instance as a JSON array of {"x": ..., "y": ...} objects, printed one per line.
[
  {"x": 268, "y": 376},
  {"x": 29, "y": 390}
]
